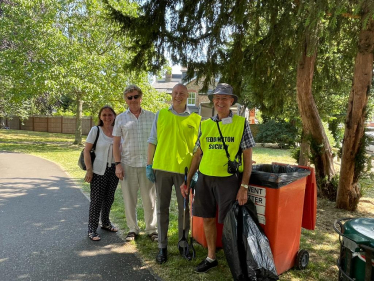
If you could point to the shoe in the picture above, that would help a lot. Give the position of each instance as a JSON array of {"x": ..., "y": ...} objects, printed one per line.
[
  {"x": 162, "y": 256},
  {"x": 205, "y": 265},
  {"x": 153, "y": 236},
  {"x": 94, "y": 236},
  {"x": 184, "y": 250},
  {"x": 131, "y": 236},
  {"x": 110, "y": 227}
]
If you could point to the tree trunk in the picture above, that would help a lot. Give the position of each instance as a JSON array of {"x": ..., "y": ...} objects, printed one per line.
[
  {"x": 320, "y": 147},
  {"x": 348, "y": 191},
  {"x": 304, "y": 150},
  {"x": 78, "y": 128}
]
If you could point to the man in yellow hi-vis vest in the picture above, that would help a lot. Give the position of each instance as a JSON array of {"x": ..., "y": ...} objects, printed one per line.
[
  {"x": 223, "y": 141},
  {"x": 170, "y": 150}
]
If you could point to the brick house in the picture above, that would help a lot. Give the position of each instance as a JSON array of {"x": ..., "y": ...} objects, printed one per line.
[{"x": 197, "y": 101}]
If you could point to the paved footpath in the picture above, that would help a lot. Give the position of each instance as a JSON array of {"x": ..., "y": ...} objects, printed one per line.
[{"x": 43, "y": 235}]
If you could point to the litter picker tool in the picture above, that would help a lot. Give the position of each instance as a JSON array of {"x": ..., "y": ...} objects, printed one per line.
[
  {"x": 191, "y": 238},
  {"x": 183, "y": 243}
]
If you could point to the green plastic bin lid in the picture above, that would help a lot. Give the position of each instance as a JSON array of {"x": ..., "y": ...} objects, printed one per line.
[{"x": 360, "y": 230}]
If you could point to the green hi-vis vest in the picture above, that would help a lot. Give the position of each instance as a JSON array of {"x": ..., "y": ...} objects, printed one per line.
[
  {"x": 214, "y": 160},
  {"x": 176, "y": 138}
]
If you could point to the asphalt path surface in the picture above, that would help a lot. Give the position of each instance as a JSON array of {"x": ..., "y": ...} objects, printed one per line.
[{"x": 43, "y": 236}]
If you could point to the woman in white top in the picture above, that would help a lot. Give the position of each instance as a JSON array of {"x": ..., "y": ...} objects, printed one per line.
[{"x": 101, "y": 175}]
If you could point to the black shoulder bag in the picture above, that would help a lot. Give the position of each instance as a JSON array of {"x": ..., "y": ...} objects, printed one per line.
[
  {"x": 81, "y": 163},
  {"x": 232, "y": 166}
]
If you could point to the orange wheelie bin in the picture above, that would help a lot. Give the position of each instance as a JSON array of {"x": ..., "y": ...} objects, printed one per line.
[
  {"x": 199, "y": 235},
  {"x": 197, "y": 230},
  {"x": 310, "y": 199},
  {"x": 278, "y": 191}
]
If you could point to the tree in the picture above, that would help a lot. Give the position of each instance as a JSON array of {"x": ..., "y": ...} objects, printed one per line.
[
  {"x": 263, "y": 48},
  {"x": 92, "y": 71},
  {"x": 295, "y": 33},
  {"x": 65, "y": 48},
  {"x": 348, "y": 191},
  {"x": 312, "y": 124},
  {"x": 22, "y": 71}
]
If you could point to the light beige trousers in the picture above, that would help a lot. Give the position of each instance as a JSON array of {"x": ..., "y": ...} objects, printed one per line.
[{"x": 135, "y": 178}]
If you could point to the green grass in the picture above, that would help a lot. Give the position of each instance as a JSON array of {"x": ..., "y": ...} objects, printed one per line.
[
  {"x": 268, "y": 155},
  {"x": 321, "y": 243}
]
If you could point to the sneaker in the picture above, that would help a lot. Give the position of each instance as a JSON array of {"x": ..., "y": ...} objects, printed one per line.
[
  {"x": 131, "y": 236},
  {"x": 205, "y": 265}
]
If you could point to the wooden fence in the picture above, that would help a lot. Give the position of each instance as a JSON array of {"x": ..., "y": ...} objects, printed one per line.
[
  {"x": 51, "y": 124},
  {"x": 62, "y": 124}
]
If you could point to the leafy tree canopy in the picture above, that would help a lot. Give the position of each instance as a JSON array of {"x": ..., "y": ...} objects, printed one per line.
[{"x": 64, "y": 48}]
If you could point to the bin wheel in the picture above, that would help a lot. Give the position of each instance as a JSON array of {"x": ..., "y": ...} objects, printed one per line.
[{"x": 302, "y": 259}]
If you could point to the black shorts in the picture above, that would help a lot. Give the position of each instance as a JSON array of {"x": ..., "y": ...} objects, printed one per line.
[{"x": 212, "y": 192}]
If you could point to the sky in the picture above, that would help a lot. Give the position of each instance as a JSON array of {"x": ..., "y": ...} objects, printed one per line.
[{"x": 176, "y": 69}]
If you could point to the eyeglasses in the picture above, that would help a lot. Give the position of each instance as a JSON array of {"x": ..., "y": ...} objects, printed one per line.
[{"x": 135, "y": 97}]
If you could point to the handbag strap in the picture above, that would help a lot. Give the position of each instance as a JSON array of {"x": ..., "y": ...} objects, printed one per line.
[
  {"x": 97, "y": 136},
  {"x": 224, "y": 144}
]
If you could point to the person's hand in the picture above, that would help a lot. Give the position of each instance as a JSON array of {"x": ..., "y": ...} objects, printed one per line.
[
  {"x": 150, "y": 174},
  {"x": 119, "y": 172},
  {"x": 184, "y": 190},
  {"x": 242, "y": 196},
  {"x": 89, "y": 175}
]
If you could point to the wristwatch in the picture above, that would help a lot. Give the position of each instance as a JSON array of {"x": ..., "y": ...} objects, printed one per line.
[
  {"x": 118, "y": 163},
  {"x": 244, "y": 185}
]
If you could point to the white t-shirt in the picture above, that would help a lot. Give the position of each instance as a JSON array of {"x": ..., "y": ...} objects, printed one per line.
[{"x": 103, "y": 151}]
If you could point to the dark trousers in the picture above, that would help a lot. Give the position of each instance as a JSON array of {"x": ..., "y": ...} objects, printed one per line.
[
  {"x": 165, "y": 181},
  {"x": 102, "y": 197}
]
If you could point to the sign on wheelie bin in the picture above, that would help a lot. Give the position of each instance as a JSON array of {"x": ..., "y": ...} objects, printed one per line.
[{"x": 278, "y": 191}]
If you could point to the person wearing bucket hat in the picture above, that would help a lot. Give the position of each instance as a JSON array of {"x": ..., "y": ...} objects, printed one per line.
[
  {"x": 223, "y": 89},
  {"x": 223, "y": 155}
]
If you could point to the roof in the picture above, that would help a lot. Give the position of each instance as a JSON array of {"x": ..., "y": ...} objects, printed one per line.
[{"x": 162, "y": 86}]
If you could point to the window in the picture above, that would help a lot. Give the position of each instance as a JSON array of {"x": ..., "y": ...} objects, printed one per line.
[{"x": 191, "y": 98}]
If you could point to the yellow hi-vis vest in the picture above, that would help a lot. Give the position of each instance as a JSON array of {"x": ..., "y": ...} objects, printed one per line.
[
  {"x": 214, "y": 160},
  {"x": 176, "y": 138}
]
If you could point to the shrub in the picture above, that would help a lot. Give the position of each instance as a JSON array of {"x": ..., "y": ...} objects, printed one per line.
[
  {"x": 295, "y": 153},
  {"x": 329, "y": 134},
  {"x": 282, "y": 133},
  {"x": 336, "y": 128},
  {"x": 363, "y": 166},
  {"x": 328, "y": 189}
]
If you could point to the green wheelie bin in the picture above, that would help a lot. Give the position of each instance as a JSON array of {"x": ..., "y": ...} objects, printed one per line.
[{"x": 356, "y": 259}]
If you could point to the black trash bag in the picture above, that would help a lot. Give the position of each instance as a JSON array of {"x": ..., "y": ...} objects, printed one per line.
[
  {"x": 276, "y": 176},
  {"x": 246, "y": 247}
]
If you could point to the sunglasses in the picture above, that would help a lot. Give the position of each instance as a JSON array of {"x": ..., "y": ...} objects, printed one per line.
[{"x": 135, "y": 97}]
